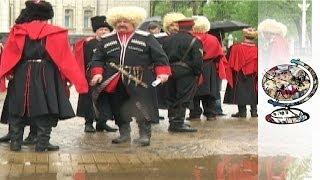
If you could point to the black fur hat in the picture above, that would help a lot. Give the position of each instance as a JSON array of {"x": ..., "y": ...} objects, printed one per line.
[
  {"x": 39, "y": 10},
  {"x": 23, "y": 17},
  {"x": 98, "y": 22}
]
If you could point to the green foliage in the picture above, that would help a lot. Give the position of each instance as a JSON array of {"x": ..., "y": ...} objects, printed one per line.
[
  {"x": 245, "y": 11},
  {"x": 288, "y": 13}
]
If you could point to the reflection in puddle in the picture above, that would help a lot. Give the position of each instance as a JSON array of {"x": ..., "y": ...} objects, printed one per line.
[{"x": 225, "y": 167}]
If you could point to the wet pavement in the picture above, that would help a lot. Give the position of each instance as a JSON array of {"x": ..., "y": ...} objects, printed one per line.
[{"x": 170, "y": 155}]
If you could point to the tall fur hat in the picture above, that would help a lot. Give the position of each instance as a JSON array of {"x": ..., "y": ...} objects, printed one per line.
[
  {"x": 134, "y": 15},
  {"x": 272, "y": 26},
  {"x": 250, "y": 33},
  {"x": 201, "y": 24},
  {"x": 170, "y": 18},
  {"x": 23, "y": 17},
  {"x": 39, "y": 10},
  {"x": 98, "y": 22}
]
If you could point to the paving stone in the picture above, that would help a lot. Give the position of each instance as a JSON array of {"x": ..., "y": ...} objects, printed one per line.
[
  {"x": 16, "y": 169},
  {"x": 42, "y": 169},
  {"x": 29, "y": 169},
  {"x": 91, "y": 168},
  {"x": 87, "y": 159},
  {"x": 42, "y": 158}
]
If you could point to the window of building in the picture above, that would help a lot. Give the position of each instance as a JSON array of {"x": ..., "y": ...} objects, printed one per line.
[
  {"x": 86, "y": 19},
  {"x": 68, "y": 18}
]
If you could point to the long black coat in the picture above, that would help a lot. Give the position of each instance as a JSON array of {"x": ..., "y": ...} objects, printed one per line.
[
  {"x": 37, "y": 88},
  {"x": 142, "y": 51},
  {"x": 182, "y": 85},
  {"x": 85, "y": 104}
]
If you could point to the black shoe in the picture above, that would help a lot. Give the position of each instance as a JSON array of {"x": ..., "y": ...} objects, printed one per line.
[
  {"x": 30, "y": 140},
  {"x": 193, "y": 118},
  {"x": 181, "y": 128},
  {"x": 211, "y": 118},
  {"x": 220, "y": 114},
  {"x": 5, "y": 138},
  {"x": 238, "y": 114},
  {"x": 51, "y": 147},
  {"x": 89, "y": 128},
  {"x": 105, "y": 127},
  {"x": 142, "y": 141},
  {"x": 254, "y": 114},
  {"x": 121, "y": 139},
  {"x": 15, "y": 146},
  {"x": 48, "y": 147},
  {"x": 124, "y": 137}
]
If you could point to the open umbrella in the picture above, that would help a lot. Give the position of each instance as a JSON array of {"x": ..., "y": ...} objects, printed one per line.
[
  {"x": 145, "y": 24},
  {"x": 218, "y": 28},
  {"x": 227, "y": 26}
]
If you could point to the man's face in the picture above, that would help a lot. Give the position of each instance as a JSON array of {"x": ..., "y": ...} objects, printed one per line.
[
  {"x": 124, "y": 26},
  {"x": 173, "y": 28},
  {"x": 155, "y": 30},
  {"x": 102, "y": 31}
]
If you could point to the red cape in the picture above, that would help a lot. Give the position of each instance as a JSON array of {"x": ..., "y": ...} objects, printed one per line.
[
  {"x": 243, "y": 57},
  {"x": 79, "y": 53},
  {"x": 212, "y": 49},
  {"x": 58, "y": 48}
]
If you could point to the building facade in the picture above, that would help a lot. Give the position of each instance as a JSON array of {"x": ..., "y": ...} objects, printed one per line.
[{"x": 72, "y": 14}]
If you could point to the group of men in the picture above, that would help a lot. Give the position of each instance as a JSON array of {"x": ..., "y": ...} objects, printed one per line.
[{"x": 126, "y": 69}]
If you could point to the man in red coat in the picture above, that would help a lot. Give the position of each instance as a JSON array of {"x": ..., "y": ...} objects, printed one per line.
[
  {"x": 243, "y": 73},
  {"x": 212, "y": 71},
  {"x": 38, "y": 60}
]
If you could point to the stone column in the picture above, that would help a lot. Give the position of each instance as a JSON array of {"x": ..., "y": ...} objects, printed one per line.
[{"x": 79, "y": 17}]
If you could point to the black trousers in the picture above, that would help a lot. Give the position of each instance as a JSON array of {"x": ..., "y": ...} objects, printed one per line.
[{"x": 208, "y": 104}]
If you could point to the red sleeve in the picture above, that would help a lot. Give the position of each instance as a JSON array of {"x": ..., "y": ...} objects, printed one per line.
[
  {"x": 163, "y": 70},
  {"x": 97, "y": 70}
]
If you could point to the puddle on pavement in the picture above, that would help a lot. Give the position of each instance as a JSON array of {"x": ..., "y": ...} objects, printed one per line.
[{"x": 224, "y": 167}]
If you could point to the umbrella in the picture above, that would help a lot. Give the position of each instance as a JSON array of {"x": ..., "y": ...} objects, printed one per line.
[
  {"x": 218, "y": 28},
  {"x": 145, "y": 24},
  {"x": 227, "y": 26}
]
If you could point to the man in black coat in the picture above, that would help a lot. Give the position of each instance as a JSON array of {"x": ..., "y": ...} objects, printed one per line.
[
  {"x": 127, "y": 61},
  {"x": 185, "y": 56},
  {"x": 84, "y": 50}
]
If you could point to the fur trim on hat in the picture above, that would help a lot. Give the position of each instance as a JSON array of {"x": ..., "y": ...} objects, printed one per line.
[
  {"x": 272, "y": 26},
  {"x": 170, "y": 18},
  {"x": 250, "y": 33},
  {"x": 39, "y": 10},
  {"x": 99, "y": 22},
  {"x": 23, "y": 17},
  {"x": 201, "y": 24},
  {"x": 135, "y": 15}
]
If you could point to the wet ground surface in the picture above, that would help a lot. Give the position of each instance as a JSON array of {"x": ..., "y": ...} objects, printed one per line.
[{"x": 175, "y": 155}]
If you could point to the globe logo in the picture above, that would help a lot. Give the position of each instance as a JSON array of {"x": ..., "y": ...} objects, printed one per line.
[{"x": 289, "y": 85}]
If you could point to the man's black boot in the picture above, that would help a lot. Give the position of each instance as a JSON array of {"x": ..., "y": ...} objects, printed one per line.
[
  {"x": 88, "y": 126},
  {"x": 103, "y": 126},
  {"x": 32, "y": 137},
  {"x": 124, "y": 137},
  {"x": 242, "y": 112},
  {"x": 144, "y": 133}
]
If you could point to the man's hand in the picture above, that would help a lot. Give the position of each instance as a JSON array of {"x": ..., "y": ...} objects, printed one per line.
[
  {"x": 9, "y": 77},
  {"x": 96, "y": 79},
  {"x": 163, "y": 77}
]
